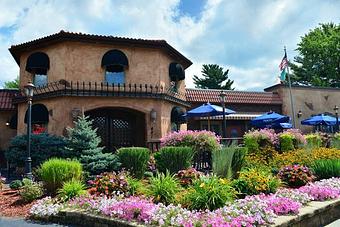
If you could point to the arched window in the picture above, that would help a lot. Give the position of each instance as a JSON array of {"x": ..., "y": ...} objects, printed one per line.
[
  {"x": 177, "y": 118},
  {"x": 39, "y": 117},
  {"x": 115, "y": 62},
  {"x": 176, "y": 73},
  {"x": 38, "y": 64}
]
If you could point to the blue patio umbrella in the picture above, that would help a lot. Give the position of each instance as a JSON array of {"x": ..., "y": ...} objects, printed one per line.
[
  {"x": 270, "y": 120},
  {"x": 208, "y": 110},
  {"x": 320, "y": 119}
]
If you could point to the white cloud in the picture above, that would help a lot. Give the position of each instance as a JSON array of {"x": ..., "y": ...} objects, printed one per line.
[{"x": 245, "y": 36}]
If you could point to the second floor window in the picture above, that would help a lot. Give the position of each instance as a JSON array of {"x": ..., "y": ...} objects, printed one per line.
[
  {"x": 38, "y": 64},
  {"x": 40, "y": 80},
  {"x": 115, "y": 63}
]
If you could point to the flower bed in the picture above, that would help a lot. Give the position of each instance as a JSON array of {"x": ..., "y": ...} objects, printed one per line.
[{"x": 252, "y": 210}]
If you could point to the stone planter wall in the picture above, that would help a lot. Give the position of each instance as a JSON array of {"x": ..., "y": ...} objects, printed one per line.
[{"x": 314, "y": 215}]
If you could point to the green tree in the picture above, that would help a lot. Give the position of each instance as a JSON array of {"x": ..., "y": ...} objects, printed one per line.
[
  {"x": 214, "y": 77},
  {"x": 12, "y": 84},
  {"x": 83, "y": 144},
  {"x": 318, "y": 62}
]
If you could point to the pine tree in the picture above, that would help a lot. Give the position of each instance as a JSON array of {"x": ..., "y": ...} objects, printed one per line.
[
  {"x": 213, "y": 78},
  {"x": 83, "y": 144}
]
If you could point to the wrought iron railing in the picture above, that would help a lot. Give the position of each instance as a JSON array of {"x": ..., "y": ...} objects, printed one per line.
[{"x": 77, "y": 88}]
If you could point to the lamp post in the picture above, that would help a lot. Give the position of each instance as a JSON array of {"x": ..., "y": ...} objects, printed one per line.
[
  {"x": 29, "y": 93},
  {"x": 223, "y": 99},
  {"x": 336, "y": 108}
]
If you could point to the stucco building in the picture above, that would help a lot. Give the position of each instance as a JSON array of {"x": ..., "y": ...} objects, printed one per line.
[
  {"x": 129, "y": 87},
  {"x": 133, "y": 89}
]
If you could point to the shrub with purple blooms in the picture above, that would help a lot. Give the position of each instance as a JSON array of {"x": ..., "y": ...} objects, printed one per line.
[
  {"x": 296, "y": 175},
  {"x": 198, "y": 140}
]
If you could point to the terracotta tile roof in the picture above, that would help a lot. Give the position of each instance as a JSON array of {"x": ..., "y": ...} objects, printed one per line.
[
  {"x": 6, "y": 96},
  {"x": 82, "y": 37},
  {"x": 237, "y": 97}
]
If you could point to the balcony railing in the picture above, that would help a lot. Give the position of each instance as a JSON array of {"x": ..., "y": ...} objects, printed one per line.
[{"x": 71, "y": 88}]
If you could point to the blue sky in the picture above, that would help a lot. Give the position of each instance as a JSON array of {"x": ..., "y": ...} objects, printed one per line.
[{"x": 244, "y": 36}]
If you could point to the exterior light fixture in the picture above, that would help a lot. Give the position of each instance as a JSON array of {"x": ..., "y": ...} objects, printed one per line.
[
  {"x": 299, "y": 114},
  {"x": 29, "y": 88},
  {"x": 153, "y": 116}
]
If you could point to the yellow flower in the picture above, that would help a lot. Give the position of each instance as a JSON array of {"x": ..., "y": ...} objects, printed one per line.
[{"x": 202, "y": 185}]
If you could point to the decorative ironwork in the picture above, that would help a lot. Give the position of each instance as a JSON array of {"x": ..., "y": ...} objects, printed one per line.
[{"x": 71, "y": 88}]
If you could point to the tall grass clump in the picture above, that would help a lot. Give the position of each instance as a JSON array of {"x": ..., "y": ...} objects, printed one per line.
[
  {"x": 228, "y": 161},
  {"x": 71, "y": 189},
  {"x": 326, "y": 168},
  {"x": 163, "y": 188},
  {"x": 173, "y": 159},
  {"x": 134, "y": 159},
  {"x": 55, "y": 172}
]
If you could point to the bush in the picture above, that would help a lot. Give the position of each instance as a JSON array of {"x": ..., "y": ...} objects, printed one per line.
[
  {"x": 71, "y": 189},
  {"x": 226, "y": 162},
  {"x": 335, "y": 143},
  {"x": 83, "y": 144},
  {"x": 43, "y": 147},
  {"x": 298, "y": 139},
  {"x": 296, "y": 175},
  {"x": 30, "y": 190},
  {"x": 134, "y": 159},
  {"x": 199, "y": 141},
  {"x": 253, "y": 182},
  {"x": 16, "y": 184},
  {"x": 258, "y": 139},
  {"x": 325, "y": 169},
  {"x": 286, "y": 142},
  {"x": 313, "y": 140},
  {"x": 163, "y": 188},
  {"x": 110, "y": 184},
  {"x": 209, "y": 192},
  {"x": 55, "y": 172},
  {"x": 187, "y": 176},
  {"x": 304, "y": 157},
  {"x": 136, "y": 187},
  {"x": 173, "y": 159}
]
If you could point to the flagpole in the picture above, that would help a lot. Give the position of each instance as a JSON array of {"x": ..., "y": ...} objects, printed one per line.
[{"x": 290, "y": 91}]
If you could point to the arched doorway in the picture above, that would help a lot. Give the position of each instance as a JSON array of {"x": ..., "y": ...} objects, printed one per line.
[{"x": 119, "y": 127}]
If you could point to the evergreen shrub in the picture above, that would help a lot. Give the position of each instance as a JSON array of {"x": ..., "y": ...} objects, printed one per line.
[
  {"x": 134, "y": 159},
  {"x": 43, "y": 147},
  {"x": 173, "y": 159},
  {"x": 83, "y": 144}
]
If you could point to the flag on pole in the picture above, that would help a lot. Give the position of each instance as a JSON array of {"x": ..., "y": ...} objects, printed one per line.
[
  {"x": 283, "y": 67},
  {"x": 284, "y": 62}
]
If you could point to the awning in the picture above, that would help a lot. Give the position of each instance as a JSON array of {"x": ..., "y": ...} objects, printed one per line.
[
  {"x": 177, "y": 115},
  {"x": 38, "y": 63},
  {"x": 115, "y": 61},
  {"x": 176, "y": 72},
  {"x": 39, "y": 114},
  {"x": 236, "y": 116}
]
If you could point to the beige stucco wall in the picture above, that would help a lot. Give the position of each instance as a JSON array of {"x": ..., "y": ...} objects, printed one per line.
[
  {"x": 309, "y": 101},
  {"x": 60, "y": 110},
  {"x": 6, "y": 133},
  {"x": 76, "y": 61}
]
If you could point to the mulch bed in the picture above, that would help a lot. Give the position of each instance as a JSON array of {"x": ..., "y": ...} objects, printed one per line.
[{"x": 11, "y": 204}]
